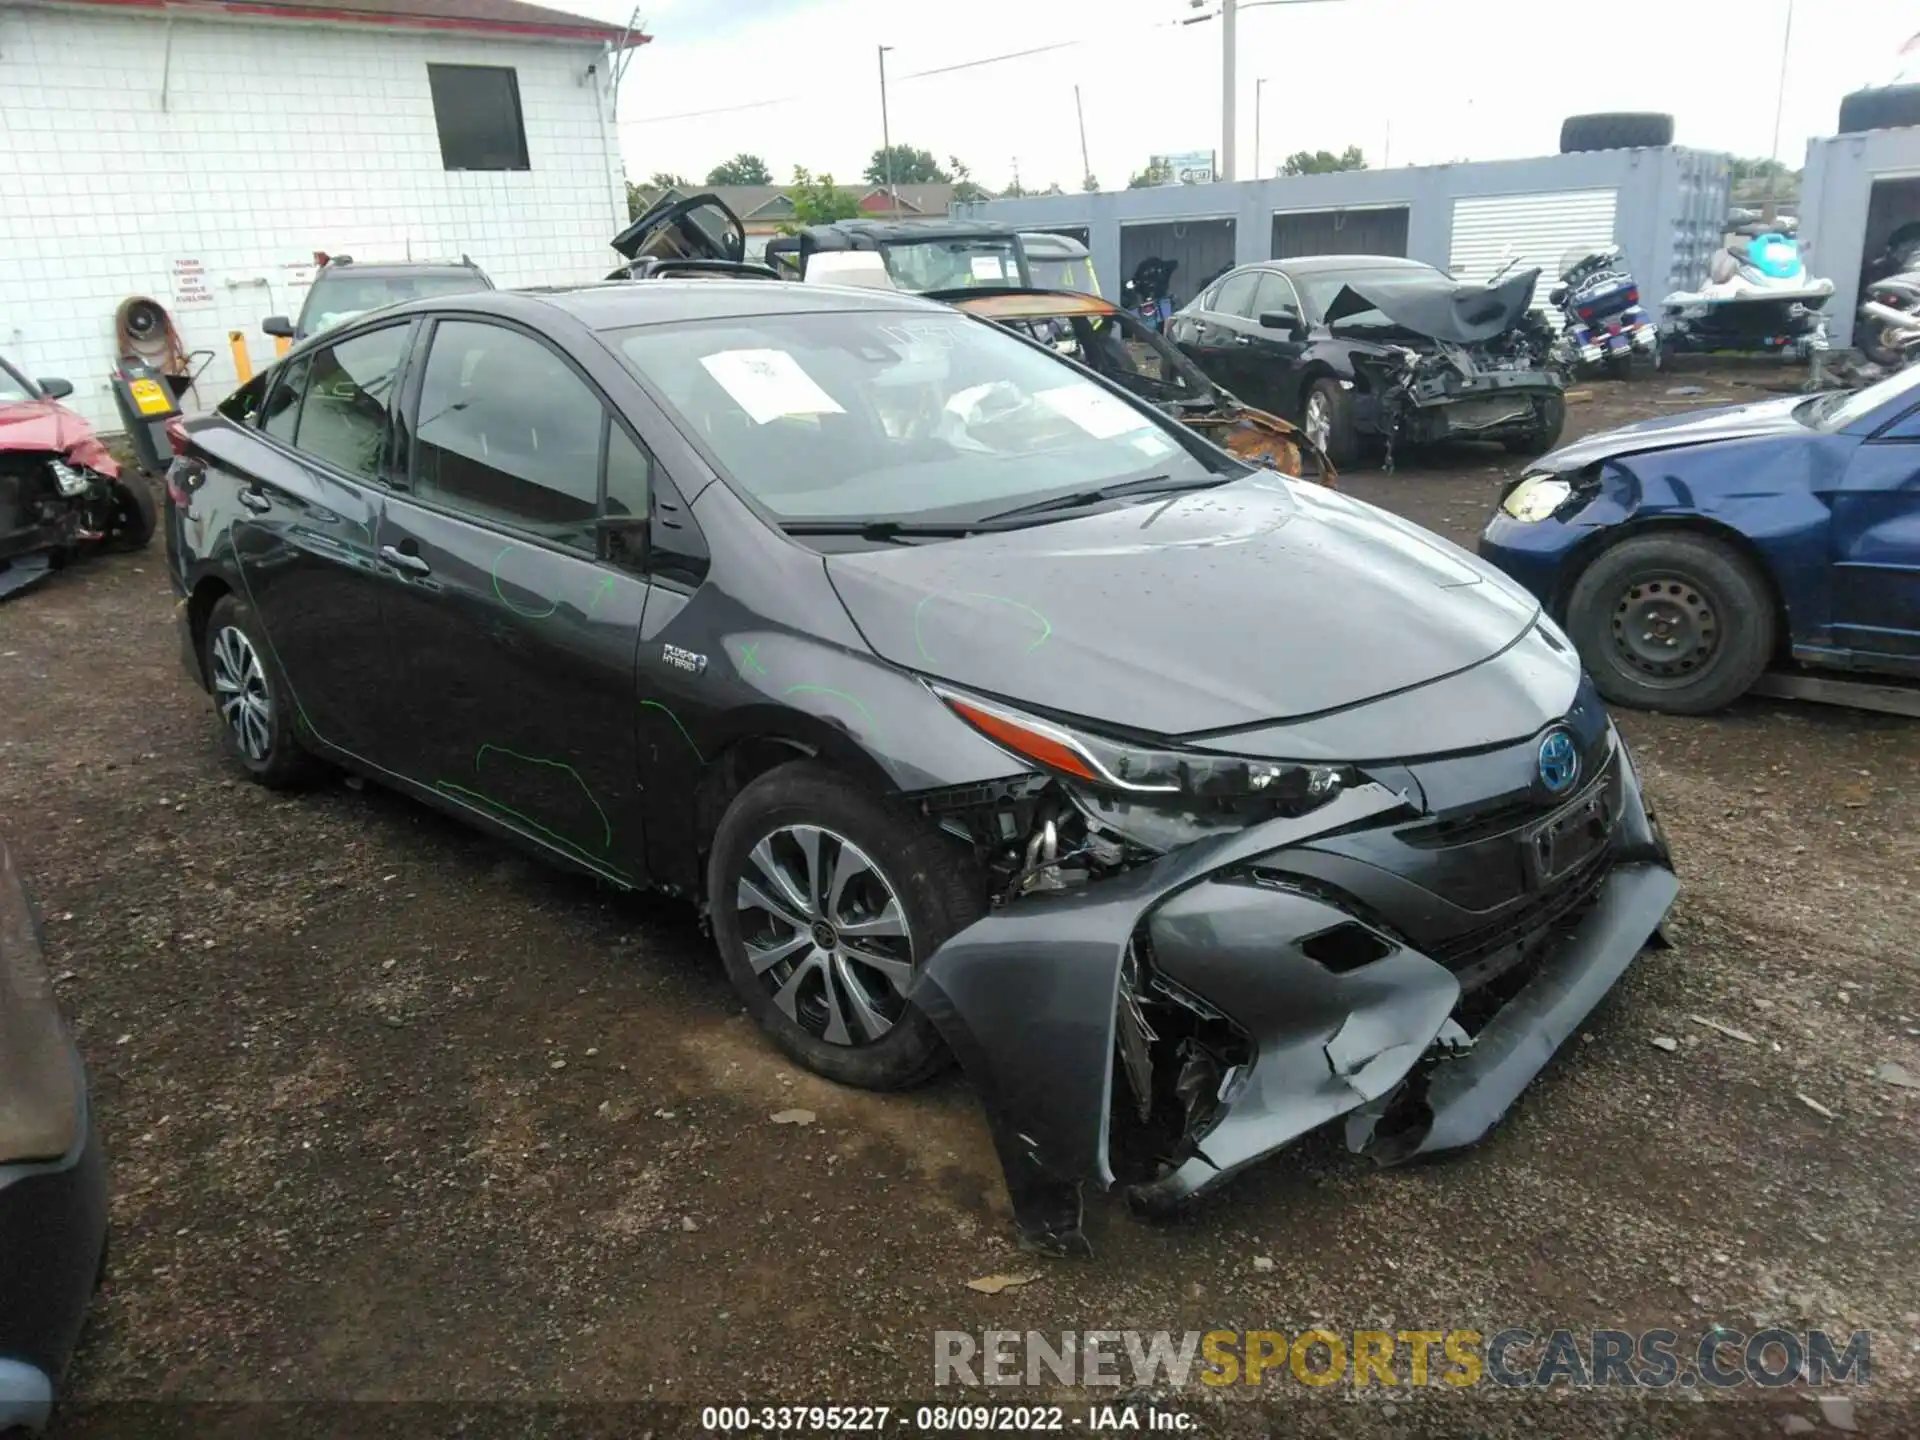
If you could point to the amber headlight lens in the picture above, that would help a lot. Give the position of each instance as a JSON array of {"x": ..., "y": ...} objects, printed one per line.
[{"x": 1537, "y": 497}]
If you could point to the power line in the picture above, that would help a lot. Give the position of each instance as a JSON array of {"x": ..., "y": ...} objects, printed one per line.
[{"x": 993, "y": 59}]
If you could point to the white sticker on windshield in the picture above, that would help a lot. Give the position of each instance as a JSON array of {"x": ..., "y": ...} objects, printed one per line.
[
  {"x": 1101, "y": 415},
  {"x": 987, "y": 267},
  {"x": 769, "y": 384},
  {"x": 1152, "y": 444}
]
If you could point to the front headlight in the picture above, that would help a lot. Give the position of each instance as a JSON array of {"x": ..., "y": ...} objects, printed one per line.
[
  {"x": 1536, "y": 498},
  {"x": 1141, "y": 771},
  {"x": 67, "y": 480}
]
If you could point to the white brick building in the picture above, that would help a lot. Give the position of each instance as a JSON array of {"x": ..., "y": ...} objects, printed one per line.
[{"x": 202, "y": 154}]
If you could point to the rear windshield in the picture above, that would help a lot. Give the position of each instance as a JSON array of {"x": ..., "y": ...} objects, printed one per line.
[
  {"x": 336, "y": 299},
  {"x": 856, "y": 415}
]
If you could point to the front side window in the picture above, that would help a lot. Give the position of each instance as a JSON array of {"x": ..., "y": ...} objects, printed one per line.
[
  {"x": 477, "y": 111},
  {"x": 508, "y": 433},
  {"x": 346, "y": 418},
  {"x": 848, "y": 415},
  {"x": 1273, "y": 293}
]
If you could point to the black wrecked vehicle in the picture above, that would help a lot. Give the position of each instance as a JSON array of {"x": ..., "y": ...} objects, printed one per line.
[
  {"x": 1370, "y": 351},
  {"x": 989, "y": 712}
]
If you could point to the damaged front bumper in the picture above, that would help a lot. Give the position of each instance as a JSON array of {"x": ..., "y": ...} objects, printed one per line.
[{"x": 1169, "y": 1026}]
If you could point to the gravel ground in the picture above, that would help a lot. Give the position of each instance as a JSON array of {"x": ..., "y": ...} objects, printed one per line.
[{"x": 394, "y": 1115}]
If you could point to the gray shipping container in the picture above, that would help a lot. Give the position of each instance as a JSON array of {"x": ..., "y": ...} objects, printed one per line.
[
  {"x": 1856, "y": 191},
  {"x": 1665, "y": 207}
]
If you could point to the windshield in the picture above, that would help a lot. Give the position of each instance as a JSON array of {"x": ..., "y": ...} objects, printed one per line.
[
  {"x": 14, "y": 386},
  {"x": 336, "y": 299},
  {"x": 1320, "y": 289},
  {"x": 1847, "y": 407},
  {"x": 861, "y": 415},
  {"x": 922, "y": 265}
]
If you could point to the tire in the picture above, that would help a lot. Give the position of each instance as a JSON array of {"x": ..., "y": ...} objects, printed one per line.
[
  {"x": 1873, "y": 345},
  {"x": 1551, "y": 413},
  {"x": 1341, "y": 441},
  {"x": 1620, "y": 366},
  {"x": 282, "y": 763},
  {"x": 1721, "y": 608},
  {"x": 134, "y": 515},
  {"x": 929, "y": 877},
  {"x": 1882, "y": 107},
  {"x": 1619, "y": 131}
]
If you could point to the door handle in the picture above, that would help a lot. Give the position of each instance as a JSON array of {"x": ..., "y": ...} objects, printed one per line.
[
  {"x": 1243, "y": 339},
  {"x": 400, "y": 560},
  {"x": 255, "y": 500}
]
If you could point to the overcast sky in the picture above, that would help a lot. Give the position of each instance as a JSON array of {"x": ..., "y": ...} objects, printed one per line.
[{"x": 1409, "y": 81}]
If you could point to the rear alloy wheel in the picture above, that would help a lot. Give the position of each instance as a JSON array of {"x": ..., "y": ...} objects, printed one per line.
[
  {"x": 1550, "y": 419},
  {"x": 248, "y": 690},
  {"x": 824, "y": 901},
  {"x": 1676, "y": 622}
]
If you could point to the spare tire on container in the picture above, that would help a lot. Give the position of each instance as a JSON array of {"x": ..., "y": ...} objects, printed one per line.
[
  {"x": 1626, "y": 130},
  {"x": 1884, "y": 107}
]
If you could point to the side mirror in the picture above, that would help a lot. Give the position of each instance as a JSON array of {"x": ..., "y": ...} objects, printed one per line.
[
  {"x": 278, "y": 326},
  {"x": 1287, "y": 320},
  {"x": 54, "y": 388}
]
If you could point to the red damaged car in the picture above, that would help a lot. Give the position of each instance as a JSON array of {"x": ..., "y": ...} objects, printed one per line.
[{"x": 60, "y": 489}]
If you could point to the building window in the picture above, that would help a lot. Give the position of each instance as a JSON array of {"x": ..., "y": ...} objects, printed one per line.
[{"x": 477, "y": 108}]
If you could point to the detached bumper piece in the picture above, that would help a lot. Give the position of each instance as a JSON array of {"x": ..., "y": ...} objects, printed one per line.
[
  {"x": 1168, "y": 1027},
  {"x": 53, "y": 1193}
]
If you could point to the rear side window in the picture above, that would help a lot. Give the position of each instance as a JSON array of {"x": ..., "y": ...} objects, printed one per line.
[
  {"x": 283, "y": 404},
  {"x": 1235, "y": 295},
  {"x": 244, "y": 405},
  {"x": 346, "y": 418},
  {"x": 509, "y": 434}
]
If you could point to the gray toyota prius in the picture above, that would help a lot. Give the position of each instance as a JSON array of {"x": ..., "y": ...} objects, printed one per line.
[{"x": 988, "y": 713}]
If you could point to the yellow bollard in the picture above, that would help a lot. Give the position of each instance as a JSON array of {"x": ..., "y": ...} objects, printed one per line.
[
  {"x": 242, "y": 361},
  {"x": 282, "y": 344}
]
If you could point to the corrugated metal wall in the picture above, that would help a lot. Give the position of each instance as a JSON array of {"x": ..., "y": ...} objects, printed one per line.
[
  {"x": 1380, "y": 230},
  {"x": 1839, "y": 218},
  {"x": 1203, "y": 248},
  {"x": 1536, "y": 230}
]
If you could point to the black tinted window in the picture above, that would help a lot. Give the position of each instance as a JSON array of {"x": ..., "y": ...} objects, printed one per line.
[
  {"x": 244, "y": 405},
  {"x": 345, "y": 419},
  {"x": 477, "y": 110},
  {"x": 629, "y": 475},
  {"x": 508, "y": 433},
  {"x": 283, "y": 404},
  {"x": 1235, "y": 295}
]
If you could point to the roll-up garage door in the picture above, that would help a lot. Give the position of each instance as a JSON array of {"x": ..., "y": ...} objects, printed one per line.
[
  {"x": 1203, "y": 249},
  {"x": 1538, "y": 228},
  {"x": 1370, "y": 230}
]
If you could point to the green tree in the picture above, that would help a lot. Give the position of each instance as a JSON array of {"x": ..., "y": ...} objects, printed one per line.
[
  {"x": 817, "y": 200},
  {"x": 964, "y": 187},
  {"x": 742, "y": 169},
  {"x": 1090, "y": 182},
  {"x": 1158, "y": 172},
  {"x": 666, "y": 179},
  {"x": 1323, "y": 162},
  {"x": 910, "y": 167}
]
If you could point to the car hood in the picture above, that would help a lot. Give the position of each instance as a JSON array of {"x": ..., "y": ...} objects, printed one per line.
[
  {"x": 1434, "y": 306},
  {"x": 1671, "y": 432},
  {"x": 1258, "y": 600},
  {"x": 48, "y": 426}
]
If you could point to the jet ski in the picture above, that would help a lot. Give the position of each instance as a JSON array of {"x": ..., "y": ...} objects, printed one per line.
[{"x": 1758, "y": 299}]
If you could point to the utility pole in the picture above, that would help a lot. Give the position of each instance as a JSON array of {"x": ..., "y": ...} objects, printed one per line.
[
  {"x": 1227, "y": 59},
  {"x": 1086, "y": 165},
  {"x": 1779, "y": 104},
  {"x": 886, "y": 138},
  {"x": 1258, "y": 86}
]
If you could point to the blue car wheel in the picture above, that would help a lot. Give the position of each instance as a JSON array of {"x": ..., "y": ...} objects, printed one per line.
[{"x": 1676, "y": 621}]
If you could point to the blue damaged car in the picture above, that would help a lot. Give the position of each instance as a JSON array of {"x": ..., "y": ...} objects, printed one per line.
[{"x": 1685, "y": 555}]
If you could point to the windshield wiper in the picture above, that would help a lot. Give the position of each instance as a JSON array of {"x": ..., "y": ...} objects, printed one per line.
[
  {"x": 878, "y": 529},
  {"x": 1152, "y": 485}
]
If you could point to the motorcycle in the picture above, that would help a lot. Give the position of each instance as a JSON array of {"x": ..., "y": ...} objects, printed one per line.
[
  {"x": 1887, "y": 326},
  {"x": 1149, "y": 294},
  {"x": 1758, "y": 298},
  {"x": 1604, "y": 323}
]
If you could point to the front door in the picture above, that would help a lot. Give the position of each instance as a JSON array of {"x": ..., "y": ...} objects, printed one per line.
[
  {"x": 310, "y": 487},
  {"x": 1876, "y": 548},
  {"x": 510, "y": 619}
]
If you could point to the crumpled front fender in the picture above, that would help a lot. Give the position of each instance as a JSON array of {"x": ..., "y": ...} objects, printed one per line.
[{"x": 1026, "y": 997}]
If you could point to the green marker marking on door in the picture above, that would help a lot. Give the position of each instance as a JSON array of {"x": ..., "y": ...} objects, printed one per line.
[
  {"x": 600, "y": 592},
  {"x": 523, "y": 611},
  {"x": 606, "y": 825}
]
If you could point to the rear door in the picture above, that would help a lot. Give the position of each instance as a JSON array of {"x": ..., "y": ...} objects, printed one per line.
[
  {"x": 1212, "y": 333},
  {"x": 510, "y": 615},
  {"x": 307, "y": 488}
]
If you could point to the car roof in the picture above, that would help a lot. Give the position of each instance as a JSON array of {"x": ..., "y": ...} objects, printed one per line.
[
  {"x": 617, "y": 304},
  {"x": 385, "y": 269}
]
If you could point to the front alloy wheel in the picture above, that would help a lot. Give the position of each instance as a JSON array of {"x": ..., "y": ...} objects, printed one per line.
[{"x": 825, "y": 934}]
